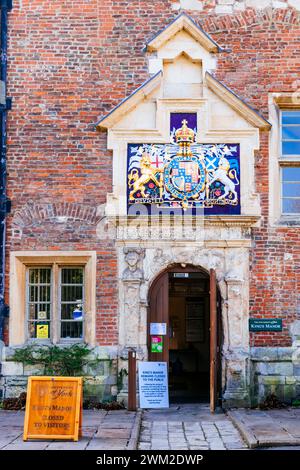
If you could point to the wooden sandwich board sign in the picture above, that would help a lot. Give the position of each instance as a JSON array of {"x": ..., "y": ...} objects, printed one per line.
[{"x": 53, "y": 408}]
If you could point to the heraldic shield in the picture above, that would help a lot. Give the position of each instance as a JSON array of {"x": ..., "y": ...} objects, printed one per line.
[{"x": 185, "y": 177}]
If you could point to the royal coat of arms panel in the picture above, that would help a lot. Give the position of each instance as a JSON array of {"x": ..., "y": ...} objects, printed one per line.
[{"x": 184, "y": 175}]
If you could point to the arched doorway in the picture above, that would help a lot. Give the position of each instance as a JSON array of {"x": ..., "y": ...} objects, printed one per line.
[{"x": 187, "y": 301}]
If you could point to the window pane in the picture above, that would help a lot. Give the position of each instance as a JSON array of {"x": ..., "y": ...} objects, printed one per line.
[
  {"x": 33, "y": 293},
  {"x": 71, "y": 293},
  {"x": 33, "y": 276},
  {"x": 39, "y": 275},
  {"x": 70, "y": 311},
  {"x": 292, "y": 132},
  {"x": 37, "y": 311},
  {"x": 71, "y": 330},
  {"x": 290, "y": 148},
  {"x": 45, "y": 276},
  {"x": 290, "y": 117},
  {"x": 45, "y": 293},
  {"x": 291, "y": 190},
  {"x": 72, "y": 276},
  {"x": 71, "y": 302},
  {"x": 291, "y": 173},
  {"x": 291, "y": 206},
  {"x": 39, "y": 302}
]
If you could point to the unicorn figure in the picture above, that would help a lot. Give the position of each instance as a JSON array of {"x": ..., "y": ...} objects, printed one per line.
[{"x": 226, "y": 177}]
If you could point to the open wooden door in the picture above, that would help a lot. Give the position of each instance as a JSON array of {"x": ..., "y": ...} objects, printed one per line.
[
  {"x": 159, "y": 313},
  {"x": 213, "y": 342}
]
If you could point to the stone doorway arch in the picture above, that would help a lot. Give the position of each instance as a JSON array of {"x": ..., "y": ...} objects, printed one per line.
[{"x": 139, "y": 267}]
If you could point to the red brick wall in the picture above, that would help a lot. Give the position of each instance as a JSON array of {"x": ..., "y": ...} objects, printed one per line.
[{"x": 69, "y": 63}]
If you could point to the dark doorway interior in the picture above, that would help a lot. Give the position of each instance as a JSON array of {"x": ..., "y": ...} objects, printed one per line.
[{"x": 189, "y": 337}]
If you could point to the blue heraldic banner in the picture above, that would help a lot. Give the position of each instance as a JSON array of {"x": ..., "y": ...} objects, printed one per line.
[{"x": 183, "y": 174}]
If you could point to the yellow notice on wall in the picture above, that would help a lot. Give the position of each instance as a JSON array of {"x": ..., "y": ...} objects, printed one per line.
[{"x": 42, "y": 331}]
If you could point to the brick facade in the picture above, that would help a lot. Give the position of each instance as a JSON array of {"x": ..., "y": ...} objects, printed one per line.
[{"x": 70, "y": 63}]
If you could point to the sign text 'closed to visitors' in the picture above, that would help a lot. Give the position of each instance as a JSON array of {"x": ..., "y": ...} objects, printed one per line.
[{"x": 53, "y": 408}]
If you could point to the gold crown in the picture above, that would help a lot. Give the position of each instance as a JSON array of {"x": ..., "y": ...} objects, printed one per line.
[{"x": 184, "y": 134}]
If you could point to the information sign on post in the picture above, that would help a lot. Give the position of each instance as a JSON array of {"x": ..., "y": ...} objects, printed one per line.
[{"x": 153, "y": 385}]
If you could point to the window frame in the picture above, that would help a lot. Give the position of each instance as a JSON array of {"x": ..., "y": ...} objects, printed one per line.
[
  {"x": 292, "y": 160},
  {"x": 27, "y": 302},
  {"x": 287, "y": 214},
  {"x": 55, "y": 305},
  {"x": 20, "y": 261},
  {"x": 59, "y": 285},
  {"x": 291, "y": 157}
]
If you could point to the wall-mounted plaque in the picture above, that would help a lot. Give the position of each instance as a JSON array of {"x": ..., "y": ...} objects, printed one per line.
[
  {"x": 158, "y": 329},
  {"x": 265, "y": 324},
  {"x": 156, "y": 344}
]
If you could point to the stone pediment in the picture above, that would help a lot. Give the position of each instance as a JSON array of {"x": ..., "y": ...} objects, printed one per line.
[
  {"x": 181, "y": 62},
  {"x": 182, "y": 23}
]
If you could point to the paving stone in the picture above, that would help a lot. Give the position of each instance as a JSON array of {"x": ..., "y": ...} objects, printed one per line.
[
  {"x": 107, "y": 444},
  {"x": 115, "y": 425},
  {"x": 233, "y": 446},
  {"x": 80, "y": 445},
  {"x": 157, "y": 441},
  {"x": 199, "y": 448},
  {"x": 27, "y": 446},
  {"x": 113, "y": 433},
  {"x": 143, "y": 446}
]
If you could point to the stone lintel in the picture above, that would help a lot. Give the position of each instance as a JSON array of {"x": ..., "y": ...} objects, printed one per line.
[{"x": 245, "y": 221}]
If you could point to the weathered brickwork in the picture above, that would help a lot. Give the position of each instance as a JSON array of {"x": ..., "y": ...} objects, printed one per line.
[{"x": 71, "y": 62}]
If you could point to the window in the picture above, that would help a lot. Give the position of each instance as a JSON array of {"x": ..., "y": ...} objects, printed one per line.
[
  {"x": 290, "y": 184},
  {"x": 52, "y": 297},
  {"x": 290, "y": 133},
  {"x": 39, "y": 302},
  {"x": 290, "y": 162},
  {"x": 43, "y": 316},
  {"x": 71, "y": 303}
]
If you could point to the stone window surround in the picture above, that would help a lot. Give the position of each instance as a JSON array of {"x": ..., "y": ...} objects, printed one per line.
[
  {"x": 277, "y": 103},
  {"x": 20, "y": 260}
]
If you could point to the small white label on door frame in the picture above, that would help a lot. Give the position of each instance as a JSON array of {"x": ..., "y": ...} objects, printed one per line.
[{"x": 158, "y": 329}]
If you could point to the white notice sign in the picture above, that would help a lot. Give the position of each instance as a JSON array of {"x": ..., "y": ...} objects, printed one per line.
[
  {"x": 153, "y": 385},
  {"x": 158, "y": 329}
]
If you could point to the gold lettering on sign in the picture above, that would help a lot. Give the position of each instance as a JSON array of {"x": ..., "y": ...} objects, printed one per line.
[{"x": 53, "y": 408}]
